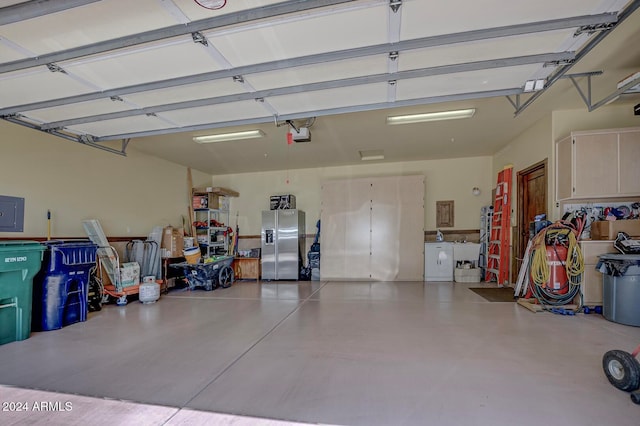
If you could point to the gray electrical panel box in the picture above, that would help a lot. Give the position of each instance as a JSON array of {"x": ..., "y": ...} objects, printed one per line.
[{"x": 11, "y": 214}]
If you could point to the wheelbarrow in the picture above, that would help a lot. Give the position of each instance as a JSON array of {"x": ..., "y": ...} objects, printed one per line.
[
  {"x": 623, "y": 371},
  {"x": 213, "y": 273}
]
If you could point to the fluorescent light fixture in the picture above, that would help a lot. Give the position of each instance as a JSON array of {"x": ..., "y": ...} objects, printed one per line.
[
  {"x": 533, "y": 85},
  {"x": 221, "y": 137},
  {"x": 374, "y": 154},
  {"x": 431, "y": 116}
]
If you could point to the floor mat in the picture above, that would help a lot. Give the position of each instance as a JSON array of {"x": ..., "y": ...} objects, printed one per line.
[{"x": 495, "y": 294}]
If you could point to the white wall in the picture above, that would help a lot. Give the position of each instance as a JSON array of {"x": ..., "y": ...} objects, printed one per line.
[
  {"x": 445, "y": 180},
  {"x": 129, "y": 195},
  {"x": 608, "y": 117}
]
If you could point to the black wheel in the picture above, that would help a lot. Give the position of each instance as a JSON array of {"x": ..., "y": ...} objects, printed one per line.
[
  {"x": 635, "y": 397},
  {"x": 225, "y": 276},
  {"x": 622, "y": 370}
]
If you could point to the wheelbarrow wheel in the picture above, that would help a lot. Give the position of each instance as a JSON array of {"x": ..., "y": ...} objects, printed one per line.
[
  {"x": 622, "y": 370},
  {"x": 225, "y": 276}
]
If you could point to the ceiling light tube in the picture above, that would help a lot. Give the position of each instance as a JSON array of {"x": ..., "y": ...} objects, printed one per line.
[
  {"x": 373, "y": 154},
  {"x": 431, "y": 116},
  {"x": 221, "y": 137},
  {"x": 372, "y": 157}
]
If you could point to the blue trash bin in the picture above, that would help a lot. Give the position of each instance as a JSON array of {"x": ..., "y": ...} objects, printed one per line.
[{"x": 60, "y": 289}]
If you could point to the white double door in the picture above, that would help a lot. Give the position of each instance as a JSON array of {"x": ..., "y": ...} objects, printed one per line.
[{"x": 373, "y": 228}]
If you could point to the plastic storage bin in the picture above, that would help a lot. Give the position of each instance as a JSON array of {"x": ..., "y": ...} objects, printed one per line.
[
  {"x": 20, "y": 261},
  {"x": 620, "y": 288},
  {"x": 60, "y": 289}
]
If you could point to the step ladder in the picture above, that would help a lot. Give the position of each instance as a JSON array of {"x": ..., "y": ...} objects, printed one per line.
[{"x": 498, "y": 254}]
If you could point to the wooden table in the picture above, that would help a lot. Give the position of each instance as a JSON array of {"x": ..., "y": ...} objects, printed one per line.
[{"x": 246, "y": 268}]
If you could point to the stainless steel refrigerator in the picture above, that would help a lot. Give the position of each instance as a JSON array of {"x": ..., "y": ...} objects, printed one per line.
[{"x": 283, "y": 243}]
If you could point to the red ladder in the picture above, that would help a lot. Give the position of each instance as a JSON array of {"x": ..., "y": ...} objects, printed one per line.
[{"x": 498, "y": 253}]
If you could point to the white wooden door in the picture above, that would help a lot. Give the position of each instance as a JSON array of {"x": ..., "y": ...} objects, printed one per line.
[
  {"x": 373, "y": 228},
  {"x": 397, "y": 228},
  {"x": 345, "y": 230}
]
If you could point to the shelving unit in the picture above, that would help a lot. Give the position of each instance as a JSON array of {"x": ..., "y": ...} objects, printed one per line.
[{"x": 212, "y": 239}]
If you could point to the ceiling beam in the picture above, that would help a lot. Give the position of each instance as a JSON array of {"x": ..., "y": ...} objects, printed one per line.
[
  {"x": 35, "y": 8},
  {"x": 81, "y": 139},
  {"x": 384, "y": 48},
  {"x": 234, "y": 18},
  {"x": 318, "y": 113},
  {"x": 324, "y": 85},
  {"x": 588, "y": 47}
]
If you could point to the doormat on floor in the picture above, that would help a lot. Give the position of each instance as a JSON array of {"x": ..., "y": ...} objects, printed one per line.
[{"x": 495, "y": 294}]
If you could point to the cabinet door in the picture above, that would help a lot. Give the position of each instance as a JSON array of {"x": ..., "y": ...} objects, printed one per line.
[
  {"x": 345, "y": 238},
  {"x": 564, "y": 182},
  {"x": 438, "y": 258},
  {"x": 596, "y": 170},
  {"x": 397, "y": 228},
  {"x": 629, "y": 146}
]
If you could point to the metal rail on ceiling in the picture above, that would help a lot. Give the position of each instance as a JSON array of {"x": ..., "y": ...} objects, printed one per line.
[
  {"x": 591, "y": 44},
  {"x": 324, "y": 85},
  {"x": 385, "y": 48}
]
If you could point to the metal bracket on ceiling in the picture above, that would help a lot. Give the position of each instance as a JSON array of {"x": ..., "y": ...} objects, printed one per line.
[
  {"x": 586, "y": 97},
  {"x": 88, "y": 140},
  {"x": 558, "y": 63},
  {"x": 293, "y": 126},
  {"x": 516, "y": 104},
  {"x": 395, "y": 5},
  {"x": 591, "y": 29},
  {"x": 116, "y": 99},
  {"x": 199, "y": 38},
  {"x": 55, "y": 68},
  {"x": 394, "y": 55},
  {"x": 238, "y": 79}
]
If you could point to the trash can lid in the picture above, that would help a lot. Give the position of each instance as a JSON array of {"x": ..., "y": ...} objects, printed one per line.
[
  {"x": 20, "y": 245},
  {"x": 620, "y": 257}
]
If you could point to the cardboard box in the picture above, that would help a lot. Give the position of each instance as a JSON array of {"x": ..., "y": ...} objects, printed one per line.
[
  {"x": 206, "y": 201},
  {"x": 608, "y": 229},
  {"x": 129, "y": 274},
  {"x": 172, "y": 242},
  {"x": 282, "y": 202}
]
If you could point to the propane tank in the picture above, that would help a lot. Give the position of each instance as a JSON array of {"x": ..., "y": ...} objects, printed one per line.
[{"x": 556, "y": 261}]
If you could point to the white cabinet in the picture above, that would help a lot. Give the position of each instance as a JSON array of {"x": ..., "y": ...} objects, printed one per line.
[
  {"x": 438, "y": 262},
  {"x": 598, "y": 164},
  {"x": 373, "y": 228},
  {"x": 592, "y": 279},
  {"x": 211, "y": 231}
]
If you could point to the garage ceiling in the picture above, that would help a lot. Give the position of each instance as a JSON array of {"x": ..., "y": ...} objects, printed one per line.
[{"x": 152, "y": 74}]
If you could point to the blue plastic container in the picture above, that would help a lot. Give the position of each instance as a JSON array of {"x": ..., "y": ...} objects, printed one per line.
[{"x": 60, "y": 290}]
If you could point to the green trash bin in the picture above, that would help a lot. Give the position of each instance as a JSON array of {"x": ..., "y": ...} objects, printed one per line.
[{"x": 20, "y": 261}]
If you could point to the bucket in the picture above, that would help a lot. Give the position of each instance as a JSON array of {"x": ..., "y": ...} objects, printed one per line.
[
  {"x": 188, "y": 242},
  {"x": 192, "y": 255}
]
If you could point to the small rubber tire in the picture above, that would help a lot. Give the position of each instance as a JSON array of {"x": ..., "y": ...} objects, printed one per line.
[
  {"x": 225, "y": 276},
  {"x": 622, "y": 370},
  {"x": 635, "y": 397}
]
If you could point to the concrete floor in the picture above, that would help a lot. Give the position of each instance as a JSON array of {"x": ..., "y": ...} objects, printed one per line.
[{"x": 345, "y": 353}]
